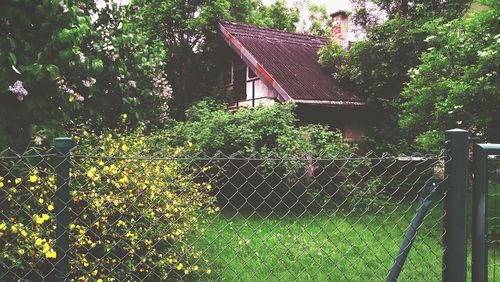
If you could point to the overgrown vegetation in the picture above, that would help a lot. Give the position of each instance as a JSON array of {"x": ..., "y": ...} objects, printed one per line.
[
  {"x": 129, "y": 217},
  {"x": 426, "y": 69}
]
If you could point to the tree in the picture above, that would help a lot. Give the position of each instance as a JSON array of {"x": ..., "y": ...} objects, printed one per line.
[
  {"x": 377, "y": 67},
  {"x": 40, "y": 38},
  {"x": 60, "y": 68},
  {"x": 457, "y": 84}
]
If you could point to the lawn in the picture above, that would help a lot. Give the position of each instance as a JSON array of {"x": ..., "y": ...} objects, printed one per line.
[{"x": 330, "y": 246}]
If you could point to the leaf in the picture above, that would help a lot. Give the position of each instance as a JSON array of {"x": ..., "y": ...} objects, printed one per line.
[
  {"x": 12, "y": 58},
  {"x": 97, "y": 66},
  {"x": 12, "y": 43},
  {"x": 53, "y": 71},
  {"x": 38, "y": 71}
]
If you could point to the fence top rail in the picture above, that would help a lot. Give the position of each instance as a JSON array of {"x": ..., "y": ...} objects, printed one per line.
[
  {"x": 9, "y": 154},
  {"x": 489, "y": 148}
]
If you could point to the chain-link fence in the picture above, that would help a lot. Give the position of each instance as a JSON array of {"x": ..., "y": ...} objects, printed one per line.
[{"x": 168, "y": 215}]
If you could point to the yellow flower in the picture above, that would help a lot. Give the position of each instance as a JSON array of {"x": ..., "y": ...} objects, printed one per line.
[
  {"x": 51, "y": 254},
  {"x": 209, "y": 271},
  {"x": 39, "y": 242},
  {"x": 91, "y": 172},
  {"x": 20, "y": 251},
  {"x": 33, "y": 178},
  {"x": 179, "y": 266},
  {"x": 17, "y": 180},
  {"x": 1, "y": 184},
  {"x": 46, "y": 247},
  {"x": 50, "y": 207},
  {"x": 40, "y": 201},
  {"x": 24, "y": 233},
  {"x": 13, "y": 229},
  {"x": 41, "y": 219},
  {"x": 3, "y": 226},
  {"x": 124, "y": 148}
]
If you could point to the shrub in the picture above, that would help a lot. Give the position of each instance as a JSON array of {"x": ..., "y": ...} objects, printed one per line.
[
  {"x": 131, "y": 214},
  {"x": 283, "y": 153}
]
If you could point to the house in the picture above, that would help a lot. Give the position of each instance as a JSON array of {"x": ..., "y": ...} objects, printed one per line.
[{"x": 261, "y": 66}]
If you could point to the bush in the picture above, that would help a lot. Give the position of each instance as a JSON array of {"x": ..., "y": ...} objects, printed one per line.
[
  {"x": 131, "y": 214},
  {"x": 283, "y": 153}
]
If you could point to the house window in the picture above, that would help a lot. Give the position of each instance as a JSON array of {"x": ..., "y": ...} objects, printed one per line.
[
  {"x": 227, "y": 73},
  {"x": 250, "y": 74}
]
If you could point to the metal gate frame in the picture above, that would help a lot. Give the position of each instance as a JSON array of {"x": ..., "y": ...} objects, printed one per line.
[{"x": 479, "y": 210}]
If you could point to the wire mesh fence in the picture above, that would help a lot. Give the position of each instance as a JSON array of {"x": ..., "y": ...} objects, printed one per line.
[{"x": 174, "y": 216}]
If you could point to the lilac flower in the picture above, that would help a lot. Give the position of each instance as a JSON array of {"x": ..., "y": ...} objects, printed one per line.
[
  {"x": 18, "y": 89},
  {"x": 38, "y": 140},
  {"x": 81, "y": 56},
  {"x": 132, "y": 84},
  {"x": 63, "y": 5},
  {"x": 88, "y": 82},
  {"x": 166, "y": 93},
  {"x": 79, "y": 98}
]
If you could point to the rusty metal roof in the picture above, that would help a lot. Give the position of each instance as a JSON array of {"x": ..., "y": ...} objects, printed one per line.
[{"x": 289, "y": 63}]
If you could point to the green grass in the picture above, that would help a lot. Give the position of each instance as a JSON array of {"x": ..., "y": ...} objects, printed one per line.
[
  {"x": 330, "y": 246},
  {"x": 324, "y": 247},
  {"x": 494, "y": 226}
]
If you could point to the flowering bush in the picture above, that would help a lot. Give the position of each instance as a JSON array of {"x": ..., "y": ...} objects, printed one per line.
[
  {"x": 131, "y": 215},
  {"x": 63, "y": 62}
]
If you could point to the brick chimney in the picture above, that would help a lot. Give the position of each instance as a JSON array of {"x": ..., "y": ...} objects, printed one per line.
[{"x": 340, "y": 28}]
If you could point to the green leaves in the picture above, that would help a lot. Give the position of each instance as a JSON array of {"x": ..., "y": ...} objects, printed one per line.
[
  {"x": 53, "y": 71},
  {"x": 12, "y": 59},
  {"x": 97, "y": 66},
  {"x": 457, "y": 84},
  {"x": 266, "y": 130}
]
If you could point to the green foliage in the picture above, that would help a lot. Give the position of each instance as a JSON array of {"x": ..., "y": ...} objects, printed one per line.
[
  {"x": 416, "y": 9},
  {"x": 58, "y": 68},
  {"x": 332, "y": 56},
  {"x": 377, "y": 67},
  {"x": 266, "y": 133},
  {"x": 320, "y": 22},
  {"x": 264, "y": 130},
  {"x": 457, "y": 84}
]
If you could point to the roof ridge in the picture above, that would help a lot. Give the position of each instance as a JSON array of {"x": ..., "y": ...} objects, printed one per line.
[{"x": 273, "y": 29}]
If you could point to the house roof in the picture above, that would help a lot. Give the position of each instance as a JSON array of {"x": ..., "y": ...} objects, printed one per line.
[{"x": 288, "y": 62}]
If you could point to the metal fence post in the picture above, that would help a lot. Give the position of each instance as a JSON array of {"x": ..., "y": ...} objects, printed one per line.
[
  {"x": 455, "y": 237},
  {"x": 62, "y": 199}
]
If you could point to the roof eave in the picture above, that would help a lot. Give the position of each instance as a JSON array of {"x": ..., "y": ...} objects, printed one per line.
[{"x": 330, "y": 102}]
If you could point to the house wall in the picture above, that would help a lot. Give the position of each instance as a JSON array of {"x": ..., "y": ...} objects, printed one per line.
[{"x": 350, "y": 121}]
